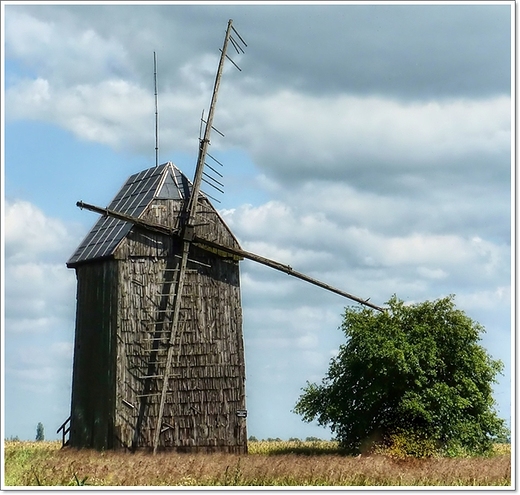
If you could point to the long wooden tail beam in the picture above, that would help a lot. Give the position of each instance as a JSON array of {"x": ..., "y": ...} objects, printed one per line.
[
  {"x": 201, "y": 242},
  {"x": 282, "y": 268}
]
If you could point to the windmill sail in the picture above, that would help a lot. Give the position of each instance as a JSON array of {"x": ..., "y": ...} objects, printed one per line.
[
  {"x": 208, "y": 244},
  {"x": 205, "y": 141}
]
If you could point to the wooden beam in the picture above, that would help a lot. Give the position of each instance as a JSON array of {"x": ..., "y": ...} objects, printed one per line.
[
  {"x": 205, "y": 243},
  {"x": 155, "y": 227},
  {"x": 283, "y": 268}
]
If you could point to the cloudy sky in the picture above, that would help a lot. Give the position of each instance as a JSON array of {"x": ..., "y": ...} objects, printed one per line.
[{"x": 366, "y": 145}]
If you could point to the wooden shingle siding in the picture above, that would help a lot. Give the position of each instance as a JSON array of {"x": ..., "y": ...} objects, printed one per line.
[{"x": 207, "y": 386}]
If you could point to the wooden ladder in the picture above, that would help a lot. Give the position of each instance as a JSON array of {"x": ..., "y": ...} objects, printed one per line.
[{"x": 163, "y": 338}]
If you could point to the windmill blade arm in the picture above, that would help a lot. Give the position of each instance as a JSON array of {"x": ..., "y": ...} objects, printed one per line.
[
  {"x": 283, "y": 268},
  {"x": 161, "y": 229}
]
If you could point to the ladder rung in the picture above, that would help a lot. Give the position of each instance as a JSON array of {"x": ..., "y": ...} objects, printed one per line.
[
  {"x": 176, "y": 269},
  {"x": 157, "y": 393},
  {"x": 162, "y": 343},
  {"x": 182, "y": 308},
  {"x": 159, "y": 376},
  {"x": 143, "y": 344}
]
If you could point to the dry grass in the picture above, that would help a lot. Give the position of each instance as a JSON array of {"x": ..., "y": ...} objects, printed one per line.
[{"x": 44, "y": 463}]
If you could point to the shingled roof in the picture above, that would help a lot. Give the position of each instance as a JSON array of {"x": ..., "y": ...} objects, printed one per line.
[{"x": 163, "y": 182}]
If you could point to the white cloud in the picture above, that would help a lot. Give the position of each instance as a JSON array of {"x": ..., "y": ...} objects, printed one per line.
[
  {"x": 307, "y": 341},
  {"x": 198, "y": 73},
  {"x": 56, "y": 353},
  {"x": 15, "y": 323},
  {"x": 277, "y": 128},
  {"x": 36, "y": 248},
  {"x": 108, "y": 112},
  {"x": 39, "y": 314},
  {"x": 309, "y": 134},
  {"x": 24, "y": 34},
  {"x": 254, "y": 285},
  {"x": 29, "y": 233},
  {"x": 56, "y": 48},
  {"x": 345, "y": 131},
  {"x": 448, "y": 250},
  {"x": 368, "y": 261},
  {"x": 307, "y": 240},
  {"x": 30, "y": 305},
  {"x": 491, "y": 299},
  {"x": 34, "y": 93}
]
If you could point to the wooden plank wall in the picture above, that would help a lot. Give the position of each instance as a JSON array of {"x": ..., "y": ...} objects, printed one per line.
[
  {"x": 93, "y": 381},
  {"x": 207, "y": 386}
]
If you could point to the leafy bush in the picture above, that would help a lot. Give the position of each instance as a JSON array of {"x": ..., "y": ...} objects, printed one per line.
[{"x": 412, "y": 368}]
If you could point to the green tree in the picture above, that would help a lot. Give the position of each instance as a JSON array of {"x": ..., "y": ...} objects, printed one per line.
[
  {"x": 414, "y": 370},
  {"x": 40, "y": 436}
]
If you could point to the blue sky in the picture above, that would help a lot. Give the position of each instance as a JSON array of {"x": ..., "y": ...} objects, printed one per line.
[{"x": 366, "y": 145}]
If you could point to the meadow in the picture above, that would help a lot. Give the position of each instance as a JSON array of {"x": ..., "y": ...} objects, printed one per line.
[{"x": 277, "y": 463}]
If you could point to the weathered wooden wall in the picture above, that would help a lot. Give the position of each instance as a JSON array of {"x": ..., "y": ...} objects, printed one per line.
[
  {"x": 207, "y": 378},
  {"x": 93, "y": 380},
  {"x": 206, "y": 387}
]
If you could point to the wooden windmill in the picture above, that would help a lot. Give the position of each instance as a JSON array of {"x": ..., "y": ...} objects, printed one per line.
[{"x": 159, "y": 355}]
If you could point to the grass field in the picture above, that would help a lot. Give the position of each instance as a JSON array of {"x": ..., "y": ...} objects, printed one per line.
[{"x": 268, "y": 464}]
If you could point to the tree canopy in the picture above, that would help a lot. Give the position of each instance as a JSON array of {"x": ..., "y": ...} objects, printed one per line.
[{"x": 416, "y": 370}]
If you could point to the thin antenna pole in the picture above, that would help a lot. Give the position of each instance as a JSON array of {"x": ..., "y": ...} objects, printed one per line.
[{"x": 156, "y": 111}]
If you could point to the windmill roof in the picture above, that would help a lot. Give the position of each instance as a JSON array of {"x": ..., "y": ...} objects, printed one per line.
[{"x": 163, "y": 182}]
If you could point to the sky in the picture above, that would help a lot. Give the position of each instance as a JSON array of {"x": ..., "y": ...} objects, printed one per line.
[{"x": 366, "y": 145}]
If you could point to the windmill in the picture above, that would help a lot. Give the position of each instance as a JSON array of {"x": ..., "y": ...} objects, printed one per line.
[{"x": 159, "y": 356}]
